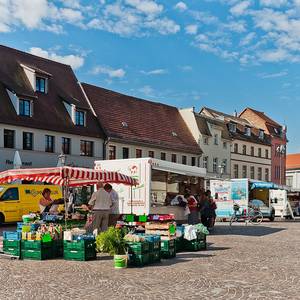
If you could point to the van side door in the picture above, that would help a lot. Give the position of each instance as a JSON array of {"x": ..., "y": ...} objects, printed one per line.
[{"x": 11, "y": 204}]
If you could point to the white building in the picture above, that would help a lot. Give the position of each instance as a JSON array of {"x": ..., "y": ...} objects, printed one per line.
[
  {"x": 293, "y": 171},
  {"x": 213, "y": 138},
  {"x": 44, "y": 113}
]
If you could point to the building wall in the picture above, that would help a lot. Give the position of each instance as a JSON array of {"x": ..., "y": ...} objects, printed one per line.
[
  {"x": 278, "y": 162},
  {"x": 293, "y": 179},
  {"x": 38, "y": 157},
  {"x": 248, "y": 160},
  {"x": 145, "y": 152}
]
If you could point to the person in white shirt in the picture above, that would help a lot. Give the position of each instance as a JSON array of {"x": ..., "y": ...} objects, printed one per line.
[
  {"x": 101, "y": 204},
  {"x": 115, "y": 212}
]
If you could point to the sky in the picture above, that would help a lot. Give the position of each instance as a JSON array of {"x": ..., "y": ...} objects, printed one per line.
[{"x": 224, "y": 54}]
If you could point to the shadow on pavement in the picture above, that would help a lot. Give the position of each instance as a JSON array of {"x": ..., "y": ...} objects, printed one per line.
[
  {"x": 210, "y": 247},
  {"x": 250, "y": 230}
]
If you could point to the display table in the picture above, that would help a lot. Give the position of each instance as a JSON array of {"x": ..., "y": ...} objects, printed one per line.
[{"x": 177, "y": 211}]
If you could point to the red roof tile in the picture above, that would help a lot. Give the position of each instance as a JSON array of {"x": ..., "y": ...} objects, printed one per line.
[
  {"x": 293, "y": 161},
  {"x": 149, "y": 123}
]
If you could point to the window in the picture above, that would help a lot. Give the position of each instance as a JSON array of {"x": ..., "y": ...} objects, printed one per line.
[
  {"x": 259, "y": 152},
  {"x": 9, "y": 138},
  {"x": 252, "y": 172},
  {"x": 244, "y": 149},
  {"x": 232, "y": 127},
  {"x": 289, "y": 181},
  {"x": 80, "y": 118},
  {"x": 125, "y": 152},
  {"x": 66, "y": 145},
  {"x": 163, "y": 156},
  {"x": 184, "y": 160},
  {"x": 174, "y": 158},
  {"x": 138, "y": 153},
  {"x": 10, "y": 194},
  {"x": 111, "y": 152},
  {"x": 86, "y": 148},
  {"x": 236, "y": 171},
  {"x": 261, "y": 134},
  {"x": 151, "y": 154},
  {"x": 267, "y": 175},
  {"x": 24, "y": 108},
  {"x": 244, "y": 170},
  {"x": 205, "y": 162},
  {"x": 49, "y": 143},
  {"x": 259, "y": 173},
  {"x": 40, "y": 85},
  {"x": 27, "y": 140},
  {"x": 205, "y": 140},
  {"x": 193, "y": 161},
  {"x": 236, "y": 148},
  {"x": 224, "y": 166},
  {"x": 267, "y": 153},
  {"x": 216, "y": 139},
  {"x": 247, "y": 131},
  {"x": 215, "y": 165},
  {"x": 225, "y": 145},
  {"x": 252, "y": 151}
]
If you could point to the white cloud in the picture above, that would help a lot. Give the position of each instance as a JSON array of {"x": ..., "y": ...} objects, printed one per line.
[
  {"x": 247, "y": 39},
  {"x": 112, "y": 73},
  {"x": 146, "y": 6},
  {"x": 237, "y": 26},
  {"x": 191, "y": 29},
  {"x": 273, "y": 3},
  {"x": 181, "y": 6},
  {"x": 146, "y": 90},
  {"x": 71, "y": 15},
  {"x": 155, "y": 72},
  {"x": 186, "y": 68},
  {"x": 240, "y": 8},
  {"x": 273, "y": 75},
  {"x": 75, "y": 61}
]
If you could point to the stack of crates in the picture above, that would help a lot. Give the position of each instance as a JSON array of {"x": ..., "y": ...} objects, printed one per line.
[
  {"x": 179, "y": 244},
  {"x": 154, "y": 248},
  {"x": 195, "y": 245},
  {"x": 37, "y": 250},
  {"x": 201, "y": 237},
  {"x": 80, "y": 250},
  {"x": 168, "y": 248},
  {"x": 12, "y": 243},
  {"x": 138, "y": 253}
]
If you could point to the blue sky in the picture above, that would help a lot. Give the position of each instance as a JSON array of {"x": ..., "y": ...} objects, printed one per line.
[{"x": 224, "y": 54}]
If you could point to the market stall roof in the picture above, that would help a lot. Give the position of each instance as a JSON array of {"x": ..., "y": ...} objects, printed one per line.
[
  {"x": 66, "y": 176},
  {"x": 267, "y": 185}
]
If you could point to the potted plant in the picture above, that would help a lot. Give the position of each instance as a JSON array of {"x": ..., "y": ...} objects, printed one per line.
[{"x": 112, "y": 242}]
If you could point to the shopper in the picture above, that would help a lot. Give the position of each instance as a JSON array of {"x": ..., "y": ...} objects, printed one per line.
[
  {"x": 205, "y": 208},
  {"x": 101, "y": 204},
  {"x": 47, "y": 205},
  {"x": 193, "y": 217},
  {"x": 115, "y": 211},
  {"x": 212, "y": 213}
]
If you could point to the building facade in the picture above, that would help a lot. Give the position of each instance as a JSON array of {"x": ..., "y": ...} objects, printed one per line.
[
  {"x": 44, "y": 113},
  {"x": 250, "y": 147},
  {"x": 278, "y": 139},
  {"x": 213, "y": 138},
  {"x": 293, "y": 171},
  {"x": 139, "y": 128}
]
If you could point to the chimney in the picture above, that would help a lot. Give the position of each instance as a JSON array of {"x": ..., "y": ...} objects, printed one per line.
[{"x": 235, "y": 113}]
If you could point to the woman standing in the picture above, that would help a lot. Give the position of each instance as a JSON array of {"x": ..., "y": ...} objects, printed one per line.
[{"x": 193, "y": 217}]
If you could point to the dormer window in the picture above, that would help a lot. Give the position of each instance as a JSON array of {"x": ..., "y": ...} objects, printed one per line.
[
  {"x": 40, "y": 84},
  {"x": 80, "y": 118},
  {"x": 24, "y": 108},
  {"x": 261, "y": 134},
  {"x": 247, "y": 131},
  {"x": 232, "y": 127}
]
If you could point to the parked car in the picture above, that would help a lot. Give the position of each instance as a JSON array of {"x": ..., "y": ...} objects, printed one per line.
[{"x": 267, "y": 212}]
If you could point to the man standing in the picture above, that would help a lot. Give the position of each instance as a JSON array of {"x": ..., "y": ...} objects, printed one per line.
[
  {"x": 115, "y": 212},
  {"x": 101, "y": 204}
]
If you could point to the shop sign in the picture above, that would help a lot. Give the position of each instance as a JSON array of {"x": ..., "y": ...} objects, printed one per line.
[{"x": 24, "y": 163}]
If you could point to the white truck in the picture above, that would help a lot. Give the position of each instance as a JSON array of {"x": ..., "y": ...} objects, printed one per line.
[{"x": 156, "y": 179}]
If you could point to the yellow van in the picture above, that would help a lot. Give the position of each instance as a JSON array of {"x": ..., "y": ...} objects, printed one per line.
[{"x": 17, "y": 200}]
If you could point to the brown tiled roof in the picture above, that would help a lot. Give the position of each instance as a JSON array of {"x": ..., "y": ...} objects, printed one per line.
[
  {"x": 293, "y": 161},
  {"x": 240, "y": 128},
  {"x": 264, "y": 117},
  {"x": 49, "y": 110},
  {"x": 148, "y": 123}
]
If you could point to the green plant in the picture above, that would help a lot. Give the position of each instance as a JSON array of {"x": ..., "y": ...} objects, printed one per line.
[{"x": 111, "y": 241}]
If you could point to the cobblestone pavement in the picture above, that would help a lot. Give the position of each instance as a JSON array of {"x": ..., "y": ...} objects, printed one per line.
[{"x": 242, "y": 262}]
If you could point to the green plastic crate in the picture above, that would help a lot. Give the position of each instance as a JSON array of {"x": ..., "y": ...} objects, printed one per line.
[
  {"x": 166, "y": 245},
  {"x": 154, "y": 257},
  {"x": 79, "y": 245},
  {"x": 171, "y": 253},
  {"x": 202, "y": 245},
  {"x": 201, "y": 236},
  {"x": 80, "y": 255},
  {"x": 129, "y": 218},
  {"x": 193, "y": 245},
  {"x": 35, "y": 245},
  {"x": 137, "y": 260},
  {"x": 15, "y": 251},
  {"x": 11, "y": 243},
  {"x": 58, "y": 248},
  {"x": 138, "y": 247},
  {"x": 37, "y": 254},
  {"x": 143, "y": 219},
  {"x": 179, "y": 244}
]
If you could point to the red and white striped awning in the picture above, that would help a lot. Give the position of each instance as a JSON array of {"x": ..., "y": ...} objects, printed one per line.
[{"x": 66, "y": 176}]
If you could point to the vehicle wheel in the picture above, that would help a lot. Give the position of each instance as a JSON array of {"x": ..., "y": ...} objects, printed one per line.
[
  {"x": 272, "y": 218},
  {"x": 2, "y": 219},
  {"x": 256, "y": 218}
]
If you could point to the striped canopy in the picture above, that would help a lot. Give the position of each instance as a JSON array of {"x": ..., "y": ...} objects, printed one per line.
[{"x": 66, "y": 176}]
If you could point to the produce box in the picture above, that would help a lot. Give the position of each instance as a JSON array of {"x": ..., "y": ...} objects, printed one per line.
[
  {"x": 138, "y": 247},
  {"x": 201, "y": 236},
  {"x": 80, "y": 255},
  {"x": 36, "y": 245},
  {"x": 171, "y": 253},
  {"x": 12, "y": 235},
  {"x": 179, "y": 244},
  {"x": 166, "y": 245},
  {"x": 80, "y": 245},
  {"x": 58, "y": 248},
  {"x": 138, "y": 260},
  {"x": 194, "y": 245},
  {"x": 154, "y": 257},
  {"x": 37, "y": 254},
  {"x": 12, "y": 251}
]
